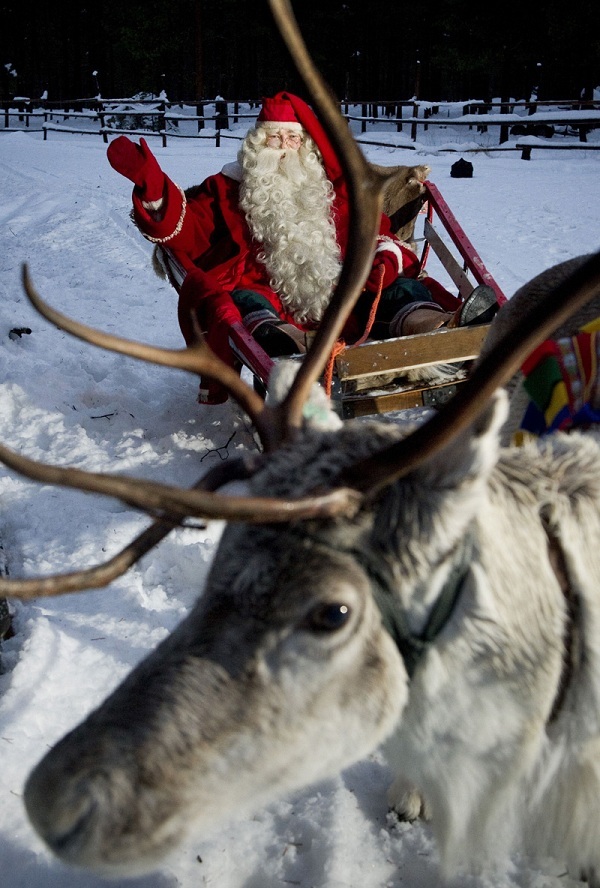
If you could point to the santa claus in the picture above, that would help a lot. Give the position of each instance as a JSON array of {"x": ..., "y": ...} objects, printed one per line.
[{"x": 263, "y": 242}]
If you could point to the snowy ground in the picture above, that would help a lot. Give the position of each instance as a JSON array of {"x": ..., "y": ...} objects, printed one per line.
[{"x": 64, "y": 211}]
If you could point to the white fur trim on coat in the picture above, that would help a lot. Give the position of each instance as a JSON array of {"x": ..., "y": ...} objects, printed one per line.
[
  {"x": 233, "y": 170},
  {"x": 389, "y": 245}
]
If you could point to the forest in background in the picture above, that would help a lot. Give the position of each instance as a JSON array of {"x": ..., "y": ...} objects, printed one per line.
[{"x": 446, "y": 50}]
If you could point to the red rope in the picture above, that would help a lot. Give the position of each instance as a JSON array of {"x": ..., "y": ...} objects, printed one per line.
[
  {"x": 337, "y": 349},
  {"x": 340, "y": 345},
  {"x": 374, "y": 307}
]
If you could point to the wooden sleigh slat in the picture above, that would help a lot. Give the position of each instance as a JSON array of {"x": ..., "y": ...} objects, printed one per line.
[
  {"x": 408, "y": 352},
  {"x": 371, "y": 375},
  {"x": 376, "y": 401},
  {"x": 448, "y": 261}
]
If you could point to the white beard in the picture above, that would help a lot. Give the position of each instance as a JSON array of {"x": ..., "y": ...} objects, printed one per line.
[{"x": 287, "y": 201}]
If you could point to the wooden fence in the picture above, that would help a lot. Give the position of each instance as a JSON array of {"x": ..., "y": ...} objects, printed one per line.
[{"x": 162, "y": 119}]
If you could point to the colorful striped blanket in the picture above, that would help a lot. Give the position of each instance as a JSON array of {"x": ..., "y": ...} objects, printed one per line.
[{"x": 561, "y": 379}]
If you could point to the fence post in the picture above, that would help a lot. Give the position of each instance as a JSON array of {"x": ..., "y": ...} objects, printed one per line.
[
  {"x": 222, "y": 120},
  {"x": 504, "y": 109},
  {"x": 482, "y": 109},
  {"x": 162, "y": 120},
  {"x": 399, "y": 110},
  {"x": 23, "y": 109},
  {"x": 413, "y": 127},
  {"x": 23, "y": 114}
]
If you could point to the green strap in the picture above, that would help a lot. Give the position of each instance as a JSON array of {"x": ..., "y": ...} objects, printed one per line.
[{"x": 393, "y": 615}]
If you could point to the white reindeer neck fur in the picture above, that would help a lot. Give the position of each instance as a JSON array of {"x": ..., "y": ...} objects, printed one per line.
[{"x": 481, "y": 748}]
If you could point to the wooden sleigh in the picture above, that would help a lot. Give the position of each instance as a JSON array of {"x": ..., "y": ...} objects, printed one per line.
[{"x": 374, "y": 377}]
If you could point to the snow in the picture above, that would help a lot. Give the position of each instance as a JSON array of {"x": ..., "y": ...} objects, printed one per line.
[{"x": 65, "y": 213}]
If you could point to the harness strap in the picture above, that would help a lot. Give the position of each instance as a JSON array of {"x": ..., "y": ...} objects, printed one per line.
[
  {"x": 412, "y": 646},
  {"x": 571, "y": 639},
  {"x": 393, "y": 615}
]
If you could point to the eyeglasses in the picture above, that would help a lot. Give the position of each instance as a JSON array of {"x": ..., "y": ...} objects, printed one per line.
[{"x": 284, "y": 139}]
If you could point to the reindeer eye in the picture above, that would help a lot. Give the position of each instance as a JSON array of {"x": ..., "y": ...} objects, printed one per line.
[{"x": 328, "y": 617}]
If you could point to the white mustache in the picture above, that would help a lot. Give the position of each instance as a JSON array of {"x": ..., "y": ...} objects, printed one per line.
[{"x": 285, "y": 161}]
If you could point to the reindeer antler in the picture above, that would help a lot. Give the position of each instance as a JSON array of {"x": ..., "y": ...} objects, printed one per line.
[
  {"x": 365, "y": 191},
  {"x": 103, "y": 574}
]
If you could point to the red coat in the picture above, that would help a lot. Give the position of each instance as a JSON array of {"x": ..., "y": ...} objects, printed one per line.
[{"x": 210, "y": 233}]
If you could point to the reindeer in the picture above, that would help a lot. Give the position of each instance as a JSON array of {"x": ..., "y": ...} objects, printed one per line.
[
  {"x": 403, "y": 197},
  {"x": 431, "y": 592}
]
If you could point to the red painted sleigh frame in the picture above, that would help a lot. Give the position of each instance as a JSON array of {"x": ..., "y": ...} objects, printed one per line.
[{"x": 368, "y": 378}]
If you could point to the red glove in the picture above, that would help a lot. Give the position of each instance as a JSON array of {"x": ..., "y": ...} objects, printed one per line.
[
  {"x": 389, "y": 261},
  {"x": 139, "y": 165}
]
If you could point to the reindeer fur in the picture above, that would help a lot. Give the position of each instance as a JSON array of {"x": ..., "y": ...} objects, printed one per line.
[
  {"x": 406, "y": 188},
  {"x": 260, "y": 691}
]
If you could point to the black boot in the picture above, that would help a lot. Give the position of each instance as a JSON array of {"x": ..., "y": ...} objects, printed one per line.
[{"x": 480, "y": 307}]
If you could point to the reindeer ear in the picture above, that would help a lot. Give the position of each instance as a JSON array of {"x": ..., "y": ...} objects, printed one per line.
[{"x": 472, "y": 453}]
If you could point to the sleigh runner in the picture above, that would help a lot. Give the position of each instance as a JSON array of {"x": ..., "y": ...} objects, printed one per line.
[{"x": 378, "y": 376}]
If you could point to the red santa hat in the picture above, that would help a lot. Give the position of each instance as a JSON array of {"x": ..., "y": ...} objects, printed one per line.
[
  {"x": 278, "y": 111},
  {"x": 289, "y": 111}
]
